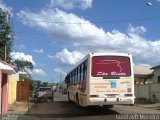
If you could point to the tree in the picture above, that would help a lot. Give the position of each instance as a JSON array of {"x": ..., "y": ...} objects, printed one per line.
[
  {"x": 44, "y": 84},
  {"x": 32, "y": 84},
  {"x": 6, "y": 36},
  {"x": 23, "y": 65}
]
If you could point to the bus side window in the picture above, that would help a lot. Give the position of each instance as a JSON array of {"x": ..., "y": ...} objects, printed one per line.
[
  {"x": 85, "y": 70},
  {"x": 72, "y": 77},
  {"x": 82, "y": 71},
  {"x": 68, "y": 78},
  {"x": 75, "y": 76},
  {"x": 79, "y": 73}
]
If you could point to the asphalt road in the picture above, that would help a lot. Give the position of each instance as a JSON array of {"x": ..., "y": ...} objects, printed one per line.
[{"x": 61, "y": 109}]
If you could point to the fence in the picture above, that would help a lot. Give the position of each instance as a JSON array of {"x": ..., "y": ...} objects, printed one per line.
[
  {"x": 143, "y": 91},
  {"x": 147, "y": 93}
]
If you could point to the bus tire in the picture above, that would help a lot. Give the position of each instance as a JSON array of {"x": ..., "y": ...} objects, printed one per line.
[
  {"x": 131, "y": 104},
  {"x": 108, "y": 106},
  {"x": 69, "y": 99},
  {"x": 51, "y": 99}
]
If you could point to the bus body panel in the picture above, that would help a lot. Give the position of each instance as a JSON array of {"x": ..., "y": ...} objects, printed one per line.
[
  {"x": 104, "y": 93},
  {"x": 111, "y": 91}
]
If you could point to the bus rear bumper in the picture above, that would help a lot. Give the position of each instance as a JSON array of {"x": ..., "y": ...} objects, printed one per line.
[{"x": 110, "y": 101}]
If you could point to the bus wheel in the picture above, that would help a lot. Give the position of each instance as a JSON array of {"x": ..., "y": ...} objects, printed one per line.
[
  {"x": 77, "y": 100},
  {"x": 108, "y": 106},
  {"x": 69, "y": 100}
]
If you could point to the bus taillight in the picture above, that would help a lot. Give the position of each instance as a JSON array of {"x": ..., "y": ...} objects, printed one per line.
[
  {"x": 128, "y": 95},
  {"x": 94, "y": 95}
]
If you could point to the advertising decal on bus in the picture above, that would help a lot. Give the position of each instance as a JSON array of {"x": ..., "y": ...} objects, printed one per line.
[{"x": 110, "y": 66}]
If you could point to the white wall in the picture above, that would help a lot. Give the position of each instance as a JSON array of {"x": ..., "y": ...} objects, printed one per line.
[
  {"x": 142, "y": 91},
  {"x": 155, "y": 89},
  {"x": 15, "y": 76}
]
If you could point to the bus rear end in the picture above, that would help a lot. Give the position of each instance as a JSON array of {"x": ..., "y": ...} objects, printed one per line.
[{"x": 111, "y": 81}]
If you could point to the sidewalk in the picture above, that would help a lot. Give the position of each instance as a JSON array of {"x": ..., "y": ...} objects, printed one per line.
[
  {"x": 155, "y": 106},
  {"x": 19, "y": 108}
]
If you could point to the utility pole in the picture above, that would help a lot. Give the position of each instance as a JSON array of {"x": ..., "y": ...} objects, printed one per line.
[
  {"x": 60, "y": 82},
  {"x": 4, "y": 20},
  {"x": 5, "y": 52}
]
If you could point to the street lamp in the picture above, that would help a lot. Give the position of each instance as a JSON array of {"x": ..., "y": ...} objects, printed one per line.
[{"x": 149, "y": 4}]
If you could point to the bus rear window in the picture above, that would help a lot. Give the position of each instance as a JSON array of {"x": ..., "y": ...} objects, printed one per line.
[{"x": 110, "y": 66}]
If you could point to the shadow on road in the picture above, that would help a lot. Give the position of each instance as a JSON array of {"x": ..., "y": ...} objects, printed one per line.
[{"x": 64, "y": 109}]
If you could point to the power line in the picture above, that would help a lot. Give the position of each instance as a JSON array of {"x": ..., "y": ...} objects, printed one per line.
[
  {"x": 141, "y": 51},
  {"x": 62, "y": 35},
  {"x": 98, "y": 22},
  {"x": 119, "y": 49},
  {"x": 65, "y": 35}
]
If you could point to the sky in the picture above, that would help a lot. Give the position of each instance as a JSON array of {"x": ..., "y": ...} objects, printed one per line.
[{"x": 55, "y": 34}]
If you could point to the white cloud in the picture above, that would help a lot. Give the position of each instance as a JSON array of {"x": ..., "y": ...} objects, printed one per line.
[
  {"x": 38, "y": 72},
  {"x": 86, "y": 37},
  {"x": 5, "y": 7},
  {"x": 70, "y": 58},
  {"x": 70, "y": 4},
  {"x": 136, "y": 30},
  {"x": 77, "y": 34},
  {"x": 20, "y": 47},
  {"x": 38, "y": 51},
  {"x": 51, "y": 56},
  {"x": 22, "y": 56}
]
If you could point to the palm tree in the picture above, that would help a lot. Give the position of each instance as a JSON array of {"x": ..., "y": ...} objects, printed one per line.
[{"x": 23, "y": 65}]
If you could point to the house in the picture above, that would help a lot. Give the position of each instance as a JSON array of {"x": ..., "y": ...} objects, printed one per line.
[
  {"x": 5, "y": 70},
  {"x": 155, "y": 87},
  {"x": 143, "y": 74},
  {"x": 143, "y": 80}
]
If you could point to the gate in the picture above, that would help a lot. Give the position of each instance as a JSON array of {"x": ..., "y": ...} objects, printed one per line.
[{"x": 23, "y": 88}]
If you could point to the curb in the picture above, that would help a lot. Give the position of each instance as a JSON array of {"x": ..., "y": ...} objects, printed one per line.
[{"x": 21, "y": 108}]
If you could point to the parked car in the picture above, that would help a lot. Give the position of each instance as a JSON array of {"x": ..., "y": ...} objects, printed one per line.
[
  {"x": 34, "y": 94},
  {"x": 44, "y": 93},
  {"x": 64, "y": 91}
]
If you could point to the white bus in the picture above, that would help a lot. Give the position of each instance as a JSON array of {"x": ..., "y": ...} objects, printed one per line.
[{"x": 104, "y": 79}]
